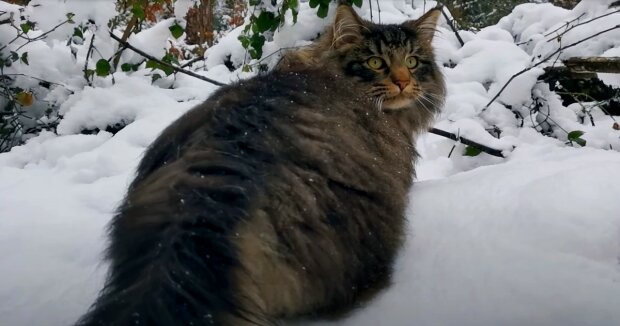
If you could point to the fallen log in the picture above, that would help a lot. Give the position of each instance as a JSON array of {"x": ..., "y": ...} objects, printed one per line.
[{"x": 593, "y": 64}]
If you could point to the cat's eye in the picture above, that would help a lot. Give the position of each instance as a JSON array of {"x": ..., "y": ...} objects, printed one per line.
[
  {"x": 375, "y": 63},
  {"x": 411, "y": 62}
]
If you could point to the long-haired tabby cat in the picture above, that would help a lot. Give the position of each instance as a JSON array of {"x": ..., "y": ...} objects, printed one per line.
[{"x": 283, "y": 195}]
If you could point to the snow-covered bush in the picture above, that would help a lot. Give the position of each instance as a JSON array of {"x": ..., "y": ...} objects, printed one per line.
[{"x": 497, "y": 96}]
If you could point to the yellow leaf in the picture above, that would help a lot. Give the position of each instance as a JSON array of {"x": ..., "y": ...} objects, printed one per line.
[{"x": 24, "y": 98}]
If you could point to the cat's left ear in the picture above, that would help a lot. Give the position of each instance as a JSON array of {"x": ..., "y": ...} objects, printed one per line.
[{"x": 426, "y": 25}]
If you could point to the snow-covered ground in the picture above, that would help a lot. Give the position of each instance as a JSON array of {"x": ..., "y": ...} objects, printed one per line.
[{"x": 533, "y": 239}]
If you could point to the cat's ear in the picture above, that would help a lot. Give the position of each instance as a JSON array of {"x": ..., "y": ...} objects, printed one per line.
[
  {"x": 426, "y": 25},
  {"x": 347, "y": 27}
]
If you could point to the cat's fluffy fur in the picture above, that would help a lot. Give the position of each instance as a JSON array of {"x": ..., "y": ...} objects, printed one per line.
[{"x": 280, "y": 196}]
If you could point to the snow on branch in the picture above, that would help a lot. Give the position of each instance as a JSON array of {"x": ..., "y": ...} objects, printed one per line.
[
  {"x": 546, "y": 59},
  {"x": 175, "y": 68}
]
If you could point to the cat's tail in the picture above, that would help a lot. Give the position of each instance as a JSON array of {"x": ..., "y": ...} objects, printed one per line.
[{"x": 172, "y": 257}]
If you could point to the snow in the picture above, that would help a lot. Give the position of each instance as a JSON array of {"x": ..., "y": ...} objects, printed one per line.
[{"x": 532, "y": 239}]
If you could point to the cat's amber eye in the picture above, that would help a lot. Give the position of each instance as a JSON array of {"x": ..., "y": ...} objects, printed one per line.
[
  {"x": 375, "y": 63},
  {"x": 411, "y": 62}
]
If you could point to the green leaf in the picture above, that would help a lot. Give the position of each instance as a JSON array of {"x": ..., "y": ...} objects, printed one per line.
[
  {"x": 266, "y": 21},
  {"x": 314, "y": 3},
  {"x": 472, "y": 151},
  {"x": 138, "y": 12},
  {"x": 256, "y": 42},
  {"x": 245, "y": 41},
  {"x": 24, "y": 58},
  {"x": 575, "y": 134},
  {"x": 152, "y": 64},
  {"x": 358, "y": 3},
  {"x": 78, "y": 32},
  {"x": 103, "y": 68},
  {"x": 295, "y": 14},
  {"x": 155, "y": 77},
  {"x": 170, "y": 58},
  {"x": 70, "y": 16},
  {"x": 176, "y": 30},
  {"x": 14, "y": 56},
  {"x": 27, "y": 26},
  {"x": 580, "y": 141},
  {"x": 323, "y": 10},
  {"x": 126, "y": 67},
  {"x": 89, "y": 73}
]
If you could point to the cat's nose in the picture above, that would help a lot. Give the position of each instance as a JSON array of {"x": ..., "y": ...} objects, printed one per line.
[{"x": 401, "y": 84}]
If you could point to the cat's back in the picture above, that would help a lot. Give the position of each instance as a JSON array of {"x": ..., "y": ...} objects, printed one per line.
[{"x": 257, "y": 117}]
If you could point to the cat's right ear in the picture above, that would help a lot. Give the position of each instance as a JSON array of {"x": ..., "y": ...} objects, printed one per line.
[{"x": 347, "y": 27}]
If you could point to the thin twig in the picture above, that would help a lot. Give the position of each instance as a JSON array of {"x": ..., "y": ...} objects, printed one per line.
[
  {"x": 175, "y": 68},
  {"x": 42, "y": 36},
  {"x": 47, "y": 82},
  {"x": 565, "y": 25},
  {"x": 484, "y": 148},
  {"x": 545, "y": 60},
  {"x": 191, "y": 62},
  {"x": 580, "y": 24},
  {"x": 451, "y": 24},
  {"x": 88, "y": 54}
]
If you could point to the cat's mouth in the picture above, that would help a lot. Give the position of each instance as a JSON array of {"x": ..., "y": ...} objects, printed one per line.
[
  {"x": 397, "y": 102},
  {"x": 397, "y": 99},
  {"x": 393, "y": 98}
]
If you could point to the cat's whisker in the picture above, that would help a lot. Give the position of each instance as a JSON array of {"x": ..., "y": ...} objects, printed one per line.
[{"x": 418, "y": 101}]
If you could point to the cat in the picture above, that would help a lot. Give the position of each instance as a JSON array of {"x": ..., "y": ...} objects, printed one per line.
[{"x": 283, "y": 195}]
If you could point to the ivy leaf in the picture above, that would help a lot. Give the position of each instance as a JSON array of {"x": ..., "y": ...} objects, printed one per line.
[
  {"x": 103, "y": 68},
  {"x": 14, "y": 56},
  {"x": 176, "y": 30},
  {"x": 358, "y": 3},
  {"x": 314, "y": 3},
  {"x": 24, "y": 58},
  {"x": 472, "y": 151},
  {"x": 155, "y": 77}
]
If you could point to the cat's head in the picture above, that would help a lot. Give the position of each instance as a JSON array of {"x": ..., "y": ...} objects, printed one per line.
[{"x": 394, "y": 63}]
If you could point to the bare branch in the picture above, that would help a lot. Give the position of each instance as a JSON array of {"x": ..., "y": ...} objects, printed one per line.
[
  {"x": 565, "y": 25},
  {"x": 484, "y": 148},
  {"x": 88, "y": 54},
  {"x": 175, "y": 68},
  {"x": 451, "y": 24},
  {"x": 577, "y": 25}
]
